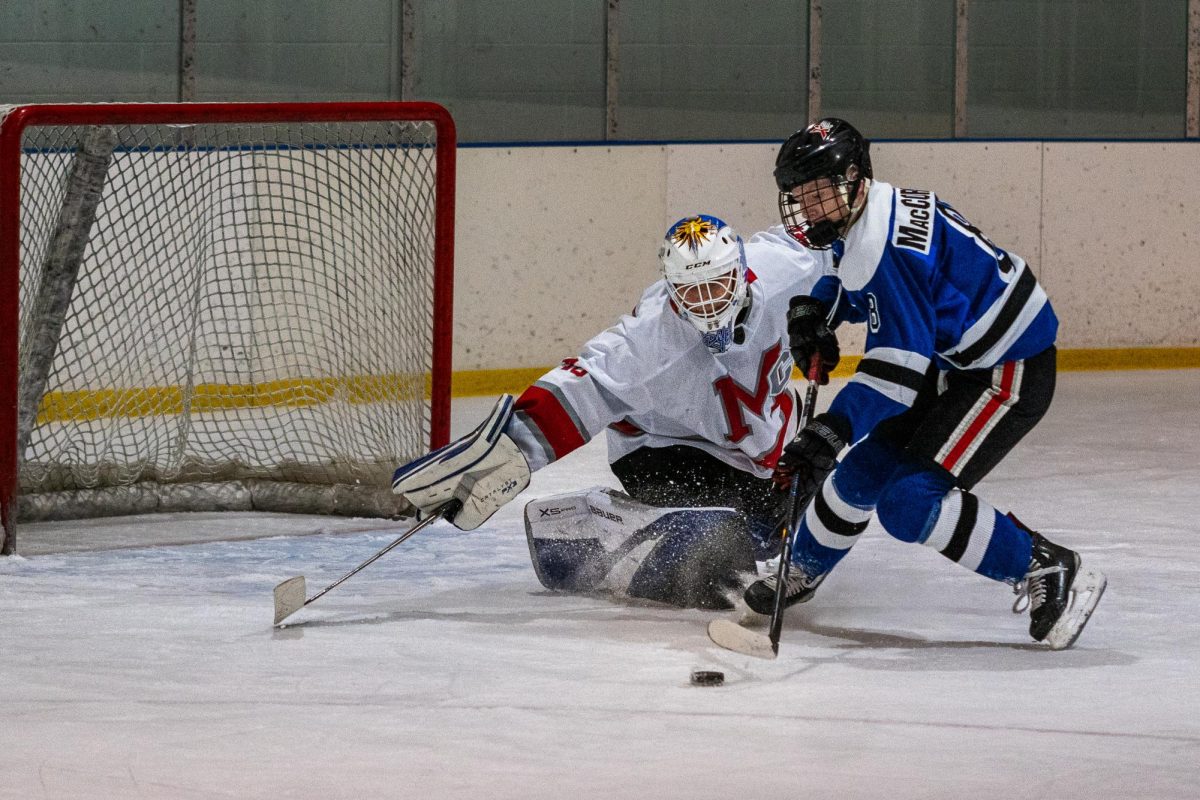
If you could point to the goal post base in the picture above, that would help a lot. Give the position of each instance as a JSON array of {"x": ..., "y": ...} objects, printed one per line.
[{"x": 246, "y": 495}]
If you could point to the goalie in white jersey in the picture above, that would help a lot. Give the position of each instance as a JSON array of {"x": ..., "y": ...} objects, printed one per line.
[{"x": 692, "y": 392}]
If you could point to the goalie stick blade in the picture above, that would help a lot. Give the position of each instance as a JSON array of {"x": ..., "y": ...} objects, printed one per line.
[
  {"x": 289, "y": 598},
  {"x": 734, "y": 637}
]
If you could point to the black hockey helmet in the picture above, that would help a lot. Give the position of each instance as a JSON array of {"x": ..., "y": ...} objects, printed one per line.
[
  {"x": 833, "y": 149},
  {"x": 826, "y": 148}
]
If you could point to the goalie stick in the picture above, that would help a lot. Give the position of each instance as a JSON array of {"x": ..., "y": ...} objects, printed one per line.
[
  {"x": 728, "y": 634},
  {"x": 289, "y": 595}
]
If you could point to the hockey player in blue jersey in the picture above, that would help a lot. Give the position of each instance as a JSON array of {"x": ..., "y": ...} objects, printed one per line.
[{"x": 959, "y": 365}]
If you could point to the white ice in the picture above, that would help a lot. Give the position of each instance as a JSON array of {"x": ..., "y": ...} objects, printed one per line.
[{"x": 444, "y": 670}]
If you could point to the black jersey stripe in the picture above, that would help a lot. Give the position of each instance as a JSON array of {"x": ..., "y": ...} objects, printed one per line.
[
  {"x": 832, "y": 522},
  {"x": 962, "y": 531},
  {"x": 1009, "y": 313},
  {"x": 906, "y": 377}
]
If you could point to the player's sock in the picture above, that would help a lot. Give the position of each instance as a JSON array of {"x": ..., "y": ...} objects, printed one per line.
[
  {"x": 829, "y": 528},
  {"x": 970, "y": 532}
]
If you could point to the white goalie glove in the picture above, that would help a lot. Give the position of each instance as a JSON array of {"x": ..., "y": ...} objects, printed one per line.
[{"x": 483, "y": 471}]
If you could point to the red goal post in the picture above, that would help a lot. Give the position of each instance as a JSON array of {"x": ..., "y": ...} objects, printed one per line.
[{"x": 221, "y": 305}]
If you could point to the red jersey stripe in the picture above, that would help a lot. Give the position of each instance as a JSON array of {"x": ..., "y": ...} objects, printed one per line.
[{"x": 544, "y": 411}]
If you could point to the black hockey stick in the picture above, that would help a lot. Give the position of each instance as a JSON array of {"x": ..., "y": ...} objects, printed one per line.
[
  {"x": 289, "y": 595},
  {"x": 729, "y": 634}
]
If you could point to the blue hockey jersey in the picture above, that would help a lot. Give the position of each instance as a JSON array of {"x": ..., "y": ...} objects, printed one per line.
[{"x": 933, "y": 291}]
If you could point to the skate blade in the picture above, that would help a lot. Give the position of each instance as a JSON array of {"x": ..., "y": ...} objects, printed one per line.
[
  {"x": 732, "y": 636},
  {"x": 1086, "y": 591},
  {"x": 289, "y": 598}
]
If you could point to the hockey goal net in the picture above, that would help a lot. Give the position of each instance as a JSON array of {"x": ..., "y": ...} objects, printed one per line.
[{"x": 221, "y": 306}]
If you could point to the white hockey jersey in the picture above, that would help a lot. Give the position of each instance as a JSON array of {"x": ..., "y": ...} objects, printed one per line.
[{"x": 650, "y": 381}]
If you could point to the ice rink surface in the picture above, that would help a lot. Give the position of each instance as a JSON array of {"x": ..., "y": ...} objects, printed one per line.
[{"x": 445, "y": 671}]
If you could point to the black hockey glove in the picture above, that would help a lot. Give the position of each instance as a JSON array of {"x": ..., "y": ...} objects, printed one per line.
[
  {"x": 809, "y": 336},
  {"x": 812, "y": 455}
]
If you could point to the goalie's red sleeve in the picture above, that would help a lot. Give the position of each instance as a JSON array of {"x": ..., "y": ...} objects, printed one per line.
[{"x": 541, "y": 410}]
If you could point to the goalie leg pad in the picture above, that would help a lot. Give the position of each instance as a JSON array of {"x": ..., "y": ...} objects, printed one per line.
[
  {"x": 698, "y": 560},
  {"x": 573, "y": 537},
  {"x": 483, "y": 471},
  {"x": 602, "y": 540}
]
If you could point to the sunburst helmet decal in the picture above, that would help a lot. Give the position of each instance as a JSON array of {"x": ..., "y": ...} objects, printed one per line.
[{"x": 691, "y": 232}]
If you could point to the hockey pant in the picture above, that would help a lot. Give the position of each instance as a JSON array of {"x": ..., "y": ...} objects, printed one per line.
[{"x": 915, "y": 472}]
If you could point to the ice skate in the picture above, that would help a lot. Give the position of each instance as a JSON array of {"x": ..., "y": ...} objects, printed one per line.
[
  {"x": 760, "y": 596},
  {"x": 1059, "y": 593}
]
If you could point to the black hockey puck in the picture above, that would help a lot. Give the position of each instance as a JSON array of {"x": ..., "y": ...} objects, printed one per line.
[{"x": 707, "y": 677}]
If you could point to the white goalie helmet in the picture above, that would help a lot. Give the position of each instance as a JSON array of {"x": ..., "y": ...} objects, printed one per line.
[{"x": 704, "y": 263}]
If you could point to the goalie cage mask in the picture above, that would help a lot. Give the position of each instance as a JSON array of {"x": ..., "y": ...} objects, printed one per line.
[
  {"x": 833, "y": 158},
  {"x": 703, "y": 261}
]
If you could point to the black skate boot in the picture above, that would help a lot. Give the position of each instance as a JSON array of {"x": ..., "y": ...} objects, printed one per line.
[
  {"x": 1059, "y": 593},
  {"x": 760, "y": 595}
]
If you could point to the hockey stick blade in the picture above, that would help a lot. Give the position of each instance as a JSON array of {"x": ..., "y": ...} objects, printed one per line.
[
  {"x": 289, "y": 595},
  {"x": 289, "y": 598},
  {"x": 732, "y": 636}
]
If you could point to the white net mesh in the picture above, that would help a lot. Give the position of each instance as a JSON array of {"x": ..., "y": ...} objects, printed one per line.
[{"x": 254, "y": 303}]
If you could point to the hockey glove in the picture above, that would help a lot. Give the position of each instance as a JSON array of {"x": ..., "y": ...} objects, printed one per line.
[
  {"x": 483, "y": 471},
  {"x": 812, "y": 455},
  {"x": 809, "y": 336}
]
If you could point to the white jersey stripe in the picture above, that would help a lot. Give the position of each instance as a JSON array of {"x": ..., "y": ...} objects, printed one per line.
[
  {"x": 901, "y": 358},
  {"x": 1029, "y": 311},
  {"x": 867, "y": 238},
  {"x": 892, "y": 391}
]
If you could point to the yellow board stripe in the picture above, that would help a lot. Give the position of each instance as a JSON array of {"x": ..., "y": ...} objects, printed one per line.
[
  {"x": 1129, "y": 358},
  {"x": 164, "y": 400},
  {"x": 472, "y": 383},
  {"x": 93, "y": 404}
]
